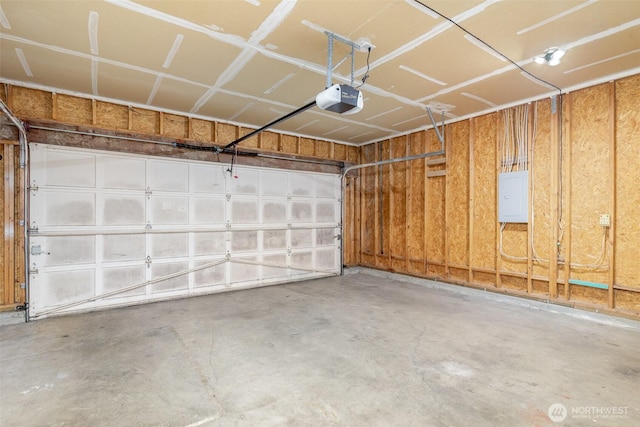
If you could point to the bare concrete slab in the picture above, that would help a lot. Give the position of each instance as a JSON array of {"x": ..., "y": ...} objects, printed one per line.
[{"x": 357, "y": 350}]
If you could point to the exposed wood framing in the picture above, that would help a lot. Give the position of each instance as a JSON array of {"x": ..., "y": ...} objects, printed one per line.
[
  {"x": 612, "y": 195},
  {"x": 566, "y": 209}
]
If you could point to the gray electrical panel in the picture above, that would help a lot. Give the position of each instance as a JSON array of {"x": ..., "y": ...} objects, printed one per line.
[{"x": 513, "y": 197}]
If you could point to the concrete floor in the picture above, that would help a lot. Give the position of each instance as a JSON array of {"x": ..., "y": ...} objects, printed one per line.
[{"x": 361, "y": 350}]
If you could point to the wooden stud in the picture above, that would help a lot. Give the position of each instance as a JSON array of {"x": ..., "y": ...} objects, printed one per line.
[
  {"x": 447, "y": 203},
  {"x": 530, "y": 137},
  {"x": 189, "y": 128},
  {"x": 553, "y": 201},
  {"x": 471, "y": 198},
  {"x": 54, "y": 106},
  {"x": 130, "y": 123},
  {"x": 612, "y": 193},
  {"x": 498, "y": 165},
  {"x": 407, "y": 201},
  {"x": 568, "y": 182},
  {"x": 161, "y": 124},
  {"x": 425, "y": 147},
  {"x": 94, "y": 112}
]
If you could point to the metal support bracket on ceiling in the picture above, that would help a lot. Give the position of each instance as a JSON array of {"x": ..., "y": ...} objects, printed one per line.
[
  {"x": 439, "y": 133},
  {"x": 330, "y": 39}
]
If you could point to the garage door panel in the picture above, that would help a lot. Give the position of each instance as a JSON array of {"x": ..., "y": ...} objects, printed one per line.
[
  {"x": 123, "y": 247},
  {"x": 275, "y": 266},
  {"x": 274, "y": 239},
  {"x": 301, "y": 238},
  {"x": 205, "y": 243},
  {"x": 169, "y": 210},
  {"x": 326, "y": 236},
  {"x": 302, "y": 212},
  {"x": 66, "y": 209},
  {"x": 115, "y": 278},
  {"x": 147, "y": 218},
  {"x": 274, "y": 212},
  {"x": 169, "y": 176},
  {"x": 122, "y": 174},
  {"x": 301, "y": 185},
  {"x": 66, "y": 250},
  {"x": 327, "y": 187},
  {"x": 207, "y": 210},
  {"x": 207, "y": 179},
  {"x": 63, "y": 169},
  {"x": 118, "y": 209},
  {"x": 210, "y": 276},
  {"x": 169, "y": 245},
  {"x": 274, "y": 184},
  {"x": 244, "y": 241},
  {"x": 244, "y": 211},
  {"x": 62, "y": 287},
  {"x": 164, "y": 269},
  {"x": 245, "y": 181},
  {"x": 241, "y": 272}
]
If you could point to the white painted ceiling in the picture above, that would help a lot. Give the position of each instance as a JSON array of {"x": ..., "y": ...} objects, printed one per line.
[{"x": 253, "y": 61}]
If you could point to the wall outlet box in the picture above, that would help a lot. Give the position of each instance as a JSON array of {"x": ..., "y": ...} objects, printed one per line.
[{"x": 605, "y": 220}]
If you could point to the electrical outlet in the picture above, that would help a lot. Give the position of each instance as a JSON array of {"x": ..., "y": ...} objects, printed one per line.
[{"x": 605, "y": 220}]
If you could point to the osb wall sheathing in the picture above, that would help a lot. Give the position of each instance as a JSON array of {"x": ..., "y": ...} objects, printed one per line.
[
  {"x": 415, "y": 208},
  {"x": 597, "y": 173},
  {"x": 29, "y": 103},
  {"x": 435, "y": 214},
  {"x": 541, "y": 164},
  {"x": 589, "y": 178},
  {"x": 484, "y": 192},
  {"x": 457, "y": 169},
  {"x": 627, "y": 216},
  {"x": 398, "y": 206}
]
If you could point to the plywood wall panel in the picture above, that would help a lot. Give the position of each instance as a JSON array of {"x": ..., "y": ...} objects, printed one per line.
[
  {"x": 589, "y": 145},
  {"x": 71, "y": 109},
  {"x": 627, "y": 218},
  {"x": 307, "y": 147},
  {"x": 111, "y": 116},
  {"x": 251, "y": 142},
  {"x": 458, "y": 181},
  {"x": 323, "y": 149},
  {"x": 4, "y": 241},
  {"x": 202, "y": 130},
  {"x": 368, "y": 189},
  {"x": 226, "y": 133},
  {"x": 541, "y": 225},
  {"x": 415, "y": 209},
  {"x": 289, "y": 144},
  {"x": 145, "y": 121},
  {"x": 353, "y": 154},
  {"x": 514, "y": 248},
  {"x": 31, "y": 103},
  {"x": 435, "y": 211},
  {"x": 484, "y": 210},
  {"x": 385, "y": 193},
  {"x": 175, "y": 126},
  {"x": 269, "y": 141},
  {"x": 339, "y": 152},
  {"x": 397, "y": 201}
]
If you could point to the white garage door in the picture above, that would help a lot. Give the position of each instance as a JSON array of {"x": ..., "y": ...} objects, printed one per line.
[{"x": 117, "y": 229}]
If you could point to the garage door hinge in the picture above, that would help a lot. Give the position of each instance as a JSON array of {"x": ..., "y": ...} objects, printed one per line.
[
  {"x": 33, "y": 187},
  {"x": 148, "y": 192},
  {"x": 33, "y": 269},
  {"x": 148, "y": 261}
]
